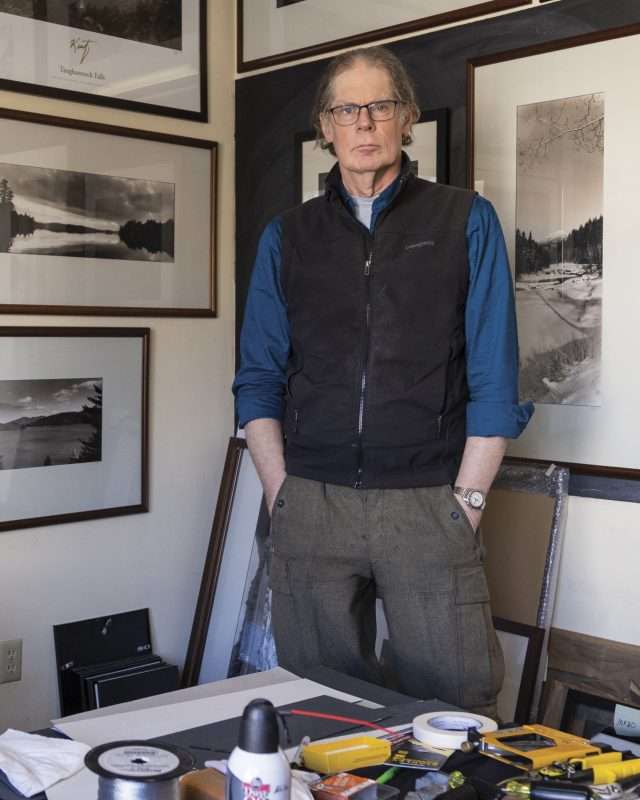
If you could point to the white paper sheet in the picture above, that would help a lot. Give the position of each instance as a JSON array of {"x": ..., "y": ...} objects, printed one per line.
[{"x": 159, "y": 721}]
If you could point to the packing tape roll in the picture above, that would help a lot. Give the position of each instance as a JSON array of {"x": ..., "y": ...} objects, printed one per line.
[{"x": 449, "y": 729}]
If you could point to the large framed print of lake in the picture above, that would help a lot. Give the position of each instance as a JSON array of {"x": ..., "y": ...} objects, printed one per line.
[
  {"x": 73, "y": 423},
  {"x": 555, "y": 132},
  {"x": 103, "y": 220}
]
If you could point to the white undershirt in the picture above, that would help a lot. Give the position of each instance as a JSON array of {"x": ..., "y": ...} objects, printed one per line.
[{"x": 362, "y": 207}]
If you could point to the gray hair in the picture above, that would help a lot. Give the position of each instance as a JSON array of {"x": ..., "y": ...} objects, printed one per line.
[{"x": 381, "y": 57}]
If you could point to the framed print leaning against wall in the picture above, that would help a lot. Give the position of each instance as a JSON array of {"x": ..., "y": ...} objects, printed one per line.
[
  {"x": 274, "y": 31},
  {"x": 73, "y": 424},
  {"x": 553, "y": 133},
  {"x": 233, "y": 602},
  {"x": 141, "y": 56},
  {"x": 428, "y": 154},
  {"x": 102, "y": 220}
]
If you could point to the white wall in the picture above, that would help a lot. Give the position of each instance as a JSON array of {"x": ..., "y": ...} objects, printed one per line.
[
  {"x": 599, "y": 589},
  {"x": 61, "y": 573}
]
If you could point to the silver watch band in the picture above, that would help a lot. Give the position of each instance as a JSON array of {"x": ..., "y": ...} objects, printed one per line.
[{"x": 474, "y": 498}]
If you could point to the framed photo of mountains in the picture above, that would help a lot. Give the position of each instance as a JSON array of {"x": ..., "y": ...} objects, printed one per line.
[
  {"x": 73, "y": 424},
  {"x": 554, "y": 131},
  {"x": 140, "y": 55},
  {"x": 102, "y": 220}
]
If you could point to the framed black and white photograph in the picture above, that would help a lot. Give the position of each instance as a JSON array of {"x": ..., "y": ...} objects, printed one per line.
[
  {"x": 553, "y": 131},
  {"x": 73, "y": 424},
  {"x": 275, "y": 31},
  {"x": 141, "y": 55},
  {"x": 558, "y": 248},
  {"x": 103, "y": 220},
  {"x": 428, "y": 154},
  {"x": 231, "y": 628}
]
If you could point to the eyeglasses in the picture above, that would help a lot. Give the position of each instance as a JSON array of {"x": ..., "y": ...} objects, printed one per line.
[{"x": 378, "y": 110}]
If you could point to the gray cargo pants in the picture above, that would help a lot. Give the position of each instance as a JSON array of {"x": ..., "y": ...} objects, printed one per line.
[{"x": 335, "y": 548}]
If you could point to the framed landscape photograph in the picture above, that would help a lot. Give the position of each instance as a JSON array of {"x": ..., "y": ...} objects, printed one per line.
[
  {"x": 274, "y": 31},
  {"x": 73, "y": 424},
  {"x": 102, "y": 220},
  {"x": 141, "y": 55},
  {"x": 553, "y": 131},
  {"x": 428, "y": 154}
]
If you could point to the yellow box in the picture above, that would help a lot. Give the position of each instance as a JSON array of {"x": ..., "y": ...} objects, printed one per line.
[{"x": 342, "y": 755}]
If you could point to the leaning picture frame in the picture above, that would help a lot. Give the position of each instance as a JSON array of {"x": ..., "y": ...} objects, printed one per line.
[
  {"x": 522, "y": 647},
  {"x": 275, "y": 31},
  {"x": 101, "y": 220},
  {"x": 236, "y": 554},
  {"x": 73, "y": 424},
  {"x": 566, "y": 198},
  {"x": 111, "y": 56},
  {"x": 428, "y": 154}
]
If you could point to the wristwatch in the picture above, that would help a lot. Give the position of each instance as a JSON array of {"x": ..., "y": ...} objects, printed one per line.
[{"x": 472, "y": 497}]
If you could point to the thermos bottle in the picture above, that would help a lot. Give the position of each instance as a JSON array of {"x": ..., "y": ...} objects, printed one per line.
[{"x": 257, "y": 768}]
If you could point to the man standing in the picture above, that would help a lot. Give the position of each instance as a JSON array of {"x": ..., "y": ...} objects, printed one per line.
[{"x": 378, "y": 382}]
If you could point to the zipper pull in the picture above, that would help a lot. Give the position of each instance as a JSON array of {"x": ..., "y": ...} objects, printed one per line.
[
  {"x": 367, "y": 265},
  {"x": 296, "y": 415}
]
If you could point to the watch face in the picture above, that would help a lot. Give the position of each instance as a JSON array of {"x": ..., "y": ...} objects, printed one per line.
[{"x": 476, "y": 499}]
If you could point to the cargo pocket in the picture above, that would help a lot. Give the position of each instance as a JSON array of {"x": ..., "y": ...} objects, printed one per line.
[{"x": 479, "y": 653}]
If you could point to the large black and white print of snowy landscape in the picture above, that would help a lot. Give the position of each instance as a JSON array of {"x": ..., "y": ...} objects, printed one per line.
[{"x": 558, "y": 248}]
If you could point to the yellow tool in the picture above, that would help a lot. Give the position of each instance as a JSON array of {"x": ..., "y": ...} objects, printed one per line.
[
  {"x": 609, "y": 773},
  {"x": 342, "y": 755},
  {"x": 533, "y": 746},
  {"x": 602, "y": 758}
]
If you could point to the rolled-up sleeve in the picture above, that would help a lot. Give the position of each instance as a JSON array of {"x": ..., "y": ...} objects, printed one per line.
[
  {"x": 264, "y": 341},
  {"x": 490, "y": 326}
]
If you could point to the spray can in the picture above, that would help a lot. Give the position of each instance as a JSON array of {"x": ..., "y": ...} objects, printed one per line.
[{"x": 257, "y": 768}]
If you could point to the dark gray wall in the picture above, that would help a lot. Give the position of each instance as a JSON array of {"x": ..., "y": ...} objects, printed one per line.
[{"x": 272, "y": 107}]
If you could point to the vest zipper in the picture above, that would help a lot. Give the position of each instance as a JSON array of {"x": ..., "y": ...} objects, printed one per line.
[{"x": 363, "y": 380}]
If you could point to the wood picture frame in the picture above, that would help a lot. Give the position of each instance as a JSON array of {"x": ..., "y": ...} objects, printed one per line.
[
  {"x": 276, "y": 32},
  {"x": 74, "y": 424},
  {"x": 108, "y": 56},
  {"x": 428, "y": 153},
  {"x": 101, "y": 220},
  {"x": 240, "y": 515},
  {"x": 575, "y": 336},
  {"x": 522, "y": 646}
]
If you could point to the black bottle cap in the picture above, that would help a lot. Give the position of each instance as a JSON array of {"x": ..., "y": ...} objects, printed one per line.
[{"x": 259, "y": 728}]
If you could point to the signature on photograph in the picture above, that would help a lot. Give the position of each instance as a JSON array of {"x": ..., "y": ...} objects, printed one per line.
[{"x": 82, "y": 46}]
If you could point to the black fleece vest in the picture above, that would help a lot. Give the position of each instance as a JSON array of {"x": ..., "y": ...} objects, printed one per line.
[{"x": 376, "y": 386}]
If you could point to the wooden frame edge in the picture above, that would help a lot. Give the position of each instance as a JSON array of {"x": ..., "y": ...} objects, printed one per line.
[
  {"x": 213, "y": 562},
  {"x": 535, "y": 641}
]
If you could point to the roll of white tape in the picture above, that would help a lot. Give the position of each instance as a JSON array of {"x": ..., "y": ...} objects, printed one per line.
[{"x": 449, "y": 729}]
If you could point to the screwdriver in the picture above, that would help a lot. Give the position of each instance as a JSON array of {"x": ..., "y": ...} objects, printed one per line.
[
  {"x": 608, "y": 773},
  {"x": 548, "y": 790}
]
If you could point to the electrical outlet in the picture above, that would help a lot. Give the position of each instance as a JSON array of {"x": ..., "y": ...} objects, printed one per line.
[{"x": 10, "y": 660}]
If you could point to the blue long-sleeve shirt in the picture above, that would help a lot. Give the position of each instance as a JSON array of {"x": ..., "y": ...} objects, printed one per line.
[{"x": 490, "y": 328}]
